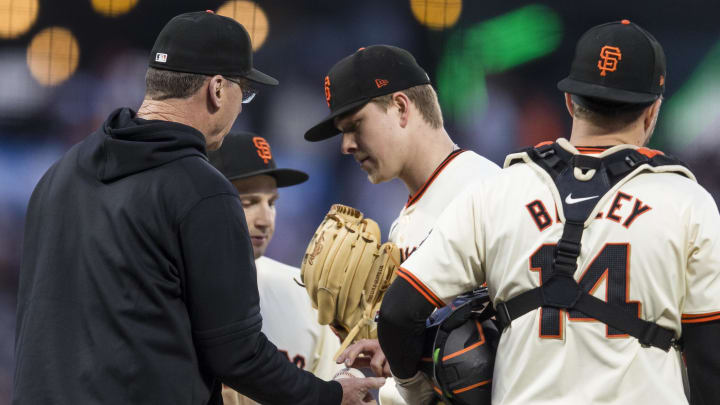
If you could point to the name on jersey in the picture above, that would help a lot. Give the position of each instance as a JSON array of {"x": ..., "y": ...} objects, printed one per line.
[{"x": 625, "y": 209}]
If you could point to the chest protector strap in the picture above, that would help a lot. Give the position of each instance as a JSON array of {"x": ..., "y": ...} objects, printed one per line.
[{"x": 584, "y": 177}]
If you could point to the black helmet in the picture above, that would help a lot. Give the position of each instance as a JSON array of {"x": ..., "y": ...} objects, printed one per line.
[{"x": 463, "y": 349}]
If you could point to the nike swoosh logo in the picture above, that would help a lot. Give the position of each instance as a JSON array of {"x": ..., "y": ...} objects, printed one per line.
[{"x": 570, "y": 200}]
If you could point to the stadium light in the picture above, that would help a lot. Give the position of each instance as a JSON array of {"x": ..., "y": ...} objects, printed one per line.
[{"x": 53, "y": 55}]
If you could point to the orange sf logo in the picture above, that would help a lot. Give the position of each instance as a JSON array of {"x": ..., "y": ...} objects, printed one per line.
[
  {"x": 263, "y": 148},
  {"x": 327, "y": 90},
  {"x": 610, "y": 55}
]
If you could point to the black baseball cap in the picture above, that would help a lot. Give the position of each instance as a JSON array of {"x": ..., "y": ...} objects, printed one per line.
[
  {"x": 370, "y": 72},
  {"x": 203, "y": 42},
  {"x": 618, "y": 62},
  {"x": 244, "y": 154}
]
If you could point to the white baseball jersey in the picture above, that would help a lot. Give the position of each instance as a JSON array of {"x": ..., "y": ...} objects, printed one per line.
[
  {"x": 290, "y": 322},
  {"x": 653, "y": 248},
  {"x": 417, "y": 218}
]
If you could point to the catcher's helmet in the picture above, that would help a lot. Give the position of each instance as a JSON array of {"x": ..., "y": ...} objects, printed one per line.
[{"x": 463, "y": 350}]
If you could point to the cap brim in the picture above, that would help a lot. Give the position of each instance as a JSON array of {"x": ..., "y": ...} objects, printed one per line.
[
  {"x": 283, "y": 177},
  {"x": 260, "y": 77},
  {"x": 326, "y": 128},
  {"x": 572, "y": 86}
]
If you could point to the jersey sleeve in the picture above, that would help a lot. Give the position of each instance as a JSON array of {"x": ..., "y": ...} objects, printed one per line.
[
  {"x": 449, "y": 262},
  {"x": 327, "y": 344},
  {"x": 702, "y": 295}
]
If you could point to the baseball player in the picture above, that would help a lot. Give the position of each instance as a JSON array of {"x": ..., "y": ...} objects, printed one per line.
[
  {"x": 601, "y": 256},
  {"x": 247, "y": 161},
  {"x": 382, "y": 102}
]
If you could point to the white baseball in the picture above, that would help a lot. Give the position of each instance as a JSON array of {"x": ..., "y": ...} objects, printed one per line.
[{"x": 348, "y": 373}]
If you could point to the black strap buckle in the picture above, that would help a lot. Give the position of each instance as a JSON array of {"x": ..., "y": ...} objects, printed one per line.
[
  {"x": 634, "y": 159},
  {"x": 566, "y": 254},
  {"x": 678, "y": 344},
  {"x": 650, "y": 335},
  {"x": 544, "y": 151},
  {"x": 503, "y": 315},
  {"x": 647, "y": 336},
  {"x": 548, "y": 154},
  {"x": 568, "y": 248}
]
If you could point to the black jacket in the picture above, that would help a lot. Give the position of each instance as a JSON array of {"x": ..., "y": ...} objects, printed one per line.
[{"x": 138, "y": 281}]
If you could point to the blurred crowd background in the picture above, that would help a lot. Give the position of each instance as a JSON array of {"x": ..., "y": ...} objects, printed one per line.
[{"x": 65, "y": 65}]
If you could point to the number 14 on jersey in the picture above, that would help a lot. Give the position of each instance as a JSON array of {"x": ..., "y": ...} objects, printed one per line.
[{"x": 611, "y": 265}]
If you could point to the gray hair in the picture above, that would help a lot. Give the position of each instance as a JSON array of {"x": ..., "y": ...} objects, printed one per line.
[{"x": 163, "y": 84}]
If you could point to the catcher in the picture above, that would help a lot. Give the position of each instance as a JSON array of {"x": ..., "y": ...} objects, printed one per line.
[{"x": 599, "y": 300}]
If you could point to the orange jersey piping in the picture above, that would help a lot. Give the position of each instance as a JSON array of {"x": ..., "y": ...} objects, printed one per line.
[
  {"x": 420, "y": 287},
  {"x": 418, "y": 194},
  {"x": 698, "y": 318}
]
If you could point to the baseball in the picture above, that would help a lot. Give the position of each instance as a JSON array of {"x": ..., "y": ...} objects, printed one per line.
[{"x": 348, "y": 373}]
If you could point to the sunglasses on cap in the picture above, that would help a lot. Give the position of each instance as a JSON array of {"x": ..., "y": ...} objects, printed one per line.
[{"x": 248, "y": 91}]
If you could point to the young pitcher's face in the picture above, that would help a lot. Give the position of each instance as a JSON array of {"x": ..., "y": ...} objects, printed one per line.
[{"x": 371, "y": 136}]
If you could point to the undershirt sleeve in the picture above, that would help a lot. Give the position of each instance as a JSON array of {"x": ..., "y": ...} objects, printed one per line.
[
  {"x": 401, "y": 327},
  {"x": 703, "y": 361}
]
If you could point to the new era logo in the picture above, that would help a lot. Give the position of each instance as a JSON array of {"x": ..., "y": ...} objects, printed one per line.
[
  {"x": 161, "y": 57},
  {"x": 381, "y": 83}
]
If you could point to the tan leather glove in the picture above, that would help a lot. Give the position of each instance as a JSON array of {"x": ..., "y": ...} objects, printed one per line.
[{"x": 346, "y": 271}]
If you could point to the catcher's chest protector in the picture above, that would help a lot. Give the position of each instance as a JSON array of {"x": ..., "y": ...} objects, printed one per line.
[{"x": 582, "y": 185}]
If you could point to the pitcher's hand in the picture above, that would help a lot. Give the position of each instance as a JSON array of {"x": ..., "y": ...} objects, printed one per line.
[
  {"x": 356, "y": 390},
  {"x": 366, "y": 353}
]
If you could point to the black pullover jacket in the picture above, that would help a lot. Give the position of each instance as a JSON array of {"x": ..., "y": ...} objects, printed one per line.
[{"x": 138, "y": 282}]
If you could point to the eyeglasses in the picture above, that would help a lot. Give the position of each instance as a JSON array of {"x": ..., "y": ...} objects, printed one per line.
[{"x": 248, "y": 91}]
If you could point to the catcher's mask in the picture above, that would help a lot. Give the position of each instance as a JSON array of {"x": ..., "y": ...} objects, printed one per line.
[{"x": 463, "y": 349}]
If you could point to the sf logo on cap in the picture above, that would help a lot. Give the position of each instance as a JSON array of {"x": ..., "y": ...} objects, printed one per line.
[
  {"x": 327, "y": 90},
  {"x": 609, "y": 57},
  {"x": 263, "y": 148}
]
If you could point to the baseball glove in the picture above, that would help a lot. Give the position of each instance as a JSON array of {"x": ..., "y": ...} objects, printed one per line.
[{"x": 346, "y": 271}]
